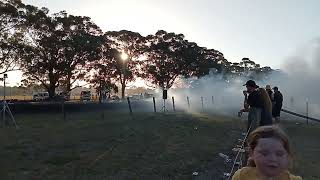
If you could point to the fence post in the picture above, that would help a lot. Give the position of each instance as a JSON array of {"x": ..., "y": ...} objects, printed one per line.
[
  {"x": 188, "y": 101},
  {"x": 154, "y": 104},
  {"x": 63, "y": 110},
  {"x": 173, "y": 106},
  {"x": 129, "y": 103},
  {"x": 202, "y": 103},
  {"x": 212, "y": 100},
  {"x": 307, "y": 112}
]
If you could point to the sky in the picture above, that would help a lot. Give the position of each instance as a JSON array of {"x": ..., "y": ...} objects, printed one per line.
[{"x": 267, "y": 32}]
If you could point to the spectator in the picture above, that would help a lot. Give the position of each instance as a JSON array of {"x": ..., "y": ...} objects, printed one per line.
[{"x": 278, "y": 99}]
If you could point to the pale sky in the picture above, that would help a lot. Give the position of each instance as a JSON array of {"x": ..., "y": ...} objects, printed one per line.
[{"x": 267, "y": 31}]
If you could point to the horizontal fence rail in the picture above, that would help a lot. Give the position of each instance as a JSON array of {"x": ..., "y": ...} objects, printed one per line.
[{"x": 300, "y": 115}]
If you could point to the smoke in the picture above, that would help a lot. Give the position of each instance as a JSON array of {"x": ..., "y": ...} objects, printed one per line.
[
  {"x": 211, "y": 94},
  {"x": 297, "y": 79},
  {"x": 301, "y": 80}
]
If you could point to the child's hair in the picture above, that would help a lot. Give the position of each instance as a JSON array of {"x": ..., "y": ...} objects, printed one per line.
[{"x": 267, "y": 132}]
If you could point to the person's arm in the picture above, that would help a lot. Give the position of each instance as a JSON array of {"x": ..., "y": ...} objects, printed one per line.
[{"x": 245, "y": 103}]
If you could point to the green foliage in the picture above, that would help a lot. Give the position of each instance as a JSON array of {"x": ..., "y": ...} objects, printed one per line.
[
  {"x": 60, "y": 49},
  {"x": 170, "y": 55},
  {"x": 130, "y": 43},
  {"x": 12, "y": 19}
]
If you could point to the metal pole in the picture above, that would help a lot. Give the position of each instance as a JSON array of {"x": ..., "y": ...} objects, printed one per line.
[
  {"x": 4, "y": 87},
  {"x": 174, "y": 108},
  {"x": 154, "y": 104},
  {"x": 307, "y": 110},
  {"x": 129, "y": 103},
  {"x": 212, "y": 100},
  {"x": 300, "y": 115},
  {"x": 202, "y": 102},
  {"x": 188, "y": 102},
  {"x": 4, "y": 100}
]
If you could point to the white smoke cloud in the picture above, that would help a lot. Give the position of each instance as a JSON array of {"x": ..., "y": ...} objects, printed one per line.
[
  {"x": 216, "y": 95},
  {"x": 303, "y": 77},
  {"x": 298, "y": 79}
]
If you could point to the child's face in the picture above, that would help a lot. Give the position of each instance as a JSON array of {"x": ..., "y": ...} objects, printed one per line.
[{"x": 270, "y": 157}]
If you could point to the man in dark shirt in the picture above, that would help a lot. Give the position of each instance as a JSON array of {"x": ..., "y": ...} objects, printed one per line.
[
  {"x": 253, "y": 104},
  {"x": 254, "y": 99},
  {"x": 278, "y": 99}
]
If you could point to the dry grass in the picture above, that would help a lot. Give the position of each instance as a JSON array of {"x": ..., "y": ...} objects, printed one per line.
[
  {"x": 17, "y": 97},
  {"x": 145, "y": 146}
]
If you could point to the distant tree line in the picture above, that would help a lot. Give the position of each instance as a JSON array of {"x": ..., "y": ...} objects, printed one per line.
[{"x": 57, "y": 50}]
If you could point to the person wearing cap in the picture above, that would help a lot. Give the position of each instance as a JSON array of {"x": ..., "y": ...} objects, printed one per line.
[
  {"x": 269, "y": 91},
  {"x": 252, "y": 104},
  {"x": 258, "y": 104},
  {"x": 278, "y": 99}
]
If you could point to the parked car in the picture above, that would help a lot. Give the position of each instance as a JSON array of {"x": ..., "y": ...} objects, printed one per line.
[
  {"x": 63, "y": 96},
  {"x": 85, "y": 96},
  {"x": 40, "y": 96},
  {"x": 114, "y": 98}
]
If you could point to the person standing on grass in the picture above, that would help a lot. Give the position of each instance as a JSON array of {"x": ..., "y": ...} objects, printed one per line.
[
  {"x": 266, "y": 114},
  {"x": 258, "y": 104},
  {"x": 270, "y": 156},
  {"x": 269, "y": 91},
  {"x": 278, "y": 99},
  {"x": 252, "y": 104}
]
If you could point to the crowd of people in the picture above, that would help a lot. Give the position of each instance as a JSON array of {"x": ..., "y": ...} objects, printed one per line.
[
  {"x": 262, "y": 104},
  {"x": 269, "y": 153}
]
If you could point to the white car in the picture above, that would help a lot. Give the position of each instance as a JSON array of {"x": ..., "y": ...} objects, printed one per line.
[
  {"x": 114, "y": 98},
  {"x": 40, "y": 96}
]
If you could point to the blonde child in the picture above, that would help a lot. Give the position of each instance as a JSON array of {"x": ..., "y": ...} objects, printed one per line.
[{"x": 270, "y": 156}]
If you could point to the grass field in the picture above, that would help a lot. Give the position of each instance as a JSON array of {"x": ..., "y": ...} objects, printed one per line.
[{"x": 145, "y": 146}]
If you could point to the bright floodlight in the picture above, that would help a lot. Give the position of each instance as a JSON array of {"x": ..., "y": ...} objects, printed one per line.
[{"x": 124, "y": 56}]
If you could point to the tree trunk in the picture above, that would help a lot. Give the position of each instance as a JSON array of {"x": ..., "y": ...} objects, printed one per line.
[
  {"x": 52, "y": 85},
  {"x": 123, "y": 86},
  {"x": 100, "y": 97},
  {"x": 52, "y": 91},
  {"x": 100, "y": 92},
  {"x": 68, "y": 86}
]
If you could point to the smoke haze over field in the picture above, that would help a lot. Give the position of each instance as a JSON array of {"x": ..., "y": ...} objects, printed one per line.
[
  {"x": 302, "y": 78},
  {"x": 298, "y": 80}
]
